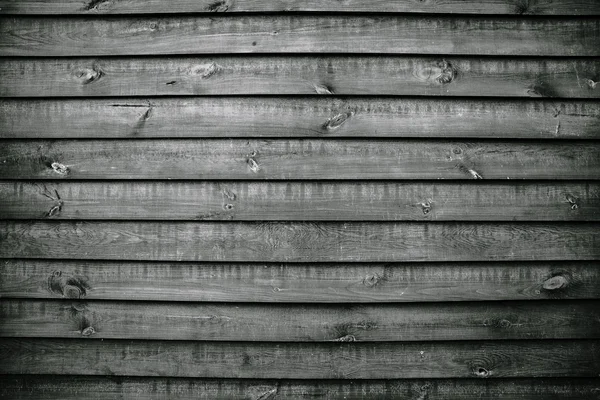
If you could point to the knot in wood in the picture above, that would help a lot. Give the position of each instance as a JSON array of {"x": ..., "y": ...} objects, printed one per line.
[
  {"x": 58, "y": 203},
  {"x": 573, "y": 201},
  {"x": 89, "y": 75},
  {"x": 372, "y": 280},
  {"x": 206, "y": 71},
  {"x": 504, "y": 323},
  {"x": 55, "y": 210},
  {"x": 555, "y": 283},
  {"x": 89, "y": 331},
  {"x": 447, "y": 73},
  {"x": 337, "y": 121},
  {"x": 59, "y": 168},
  {"x": 426, "y": 206},
  {"x": 469, "y": 171},
  {"x": 72, "y": 287},
  {"x": 98, "y": 5},
  {"x": 323, "y": 89},
  {"x": 254, "y": 167},
  {"x": 73, "y": 292},
  {"x": 218, "y": 6},
  {"x": 482, "y": 372},
  {"x": 475, "y": 174},
  {"x": 250, "y": 160},
  {"x": 346, "y": 338}
]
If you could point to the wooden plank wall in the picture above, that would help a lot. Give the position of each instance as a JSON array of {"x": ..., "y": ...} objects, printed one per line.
[{"x": 327, "y": 199}]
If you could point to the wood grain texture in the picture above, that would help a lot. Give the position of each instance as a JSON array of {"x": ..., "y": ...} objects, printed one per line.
[
  {"x": 298, "y": 283},
  {"x": 280, "y": 117},
  {"x": 36, "y": 387},
  {"x": 94, "y": 7},
  {"x": 276, "y": 241},
  {"x": 310, "y": 75},
  {"x": 253, "y": 159},
  {"x": 300, "y": 323},
  {"x": 300, "y": 201},
  {"x": 523, "y": 358},
  {"x": 399, "y": 34}
]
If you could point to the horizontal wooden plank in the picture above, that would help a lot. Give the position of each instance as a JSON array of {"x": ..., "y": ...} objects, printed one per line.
[
  {"x": 276, "y": 241},
  {"x": 544, "y": 7},
  {"x": 299, "y": 283},
  {"x": 281, "y": 117},
  {"x": 300, "y": 323},
  {"x": 398, "y": 34},
  {"x": 57, "y": 387},
  {"x": 524, "y": 358},
  {"x": 292, "y": 75},
  {"x": 255, "y": 159},
  {"x": 300, "y": 201}
]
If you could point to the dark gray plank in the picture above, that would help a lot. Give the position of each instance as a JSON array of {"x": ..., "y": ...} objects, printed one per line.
[
  {"x": 398, "y": 34},
  {"x": 299, "y": 283},
  {"x": 524, "y": 358},
  {"x": 317, "y": 242},
  {"x": 310, "y": 75},
  {"x": 540, "y": 7},
  {"x": 301, "y": 201},
  {"x": 254, "y": 159},
  {"x": 300, "y": 323},
  {"x": 56, "y": 387},
  {"x": 281, "y": 117}
]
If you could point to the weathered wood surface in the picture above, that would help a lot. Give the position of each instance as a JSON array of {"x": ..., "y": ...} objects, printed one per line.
[
  {"x": 310, "y": 75},
  {"x": 316, "y": 242},
  {"x": 299, "y": 283},
  {"x": 300, "y": 323},
  {"x": 280, "y": 117},
  {"x": 300, "y": 201},
  {"x": 94, "y": 7},
  {"x": 297, "y": 159},
  {"x": 465, "y": 359},
  {"x": 36, "y": 387},
  {"x": 398, "y": 34}
]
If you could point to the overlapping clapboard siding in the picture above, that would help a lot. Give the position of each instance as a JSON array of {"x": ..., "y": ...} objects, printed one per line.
[
  {"x": 315, "y": 74},
  {"x": 299, "y": 282},
  {"x": 336, "y": 200},
  {"x": 94, "y": 7},
  {"x": 109, "y": 388},
  {"x": 285, "y": 117},
  {"x": 397, "y": 34}
]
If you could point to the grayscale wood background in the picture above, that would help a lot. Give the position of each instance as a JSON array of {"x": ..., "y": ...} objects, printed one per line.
[{"x": 311, "y": 199}]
